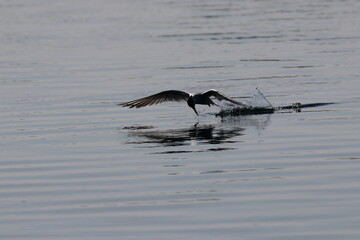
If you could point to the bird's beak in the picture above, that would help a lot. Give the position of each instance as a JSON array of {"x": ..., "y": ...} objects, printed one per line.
[{"x": 195, "y": 110}]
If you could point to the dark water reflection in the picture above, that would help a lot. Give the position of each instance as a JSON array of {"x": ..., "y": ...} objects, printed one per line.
[
  {"x": 206, "y": 134},
  {"x": 226, "y": 131}
]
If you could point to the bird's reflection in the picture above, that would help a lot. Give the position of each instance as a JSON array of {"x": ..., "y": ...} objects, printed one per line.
[
  {"x": 202, "y": 134},
  {"x": 225, "y": 131}
]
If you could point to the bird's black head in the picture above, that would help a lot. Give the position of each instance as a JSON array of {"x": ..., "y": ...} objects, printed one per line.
[{"x": 191, "y": 104}]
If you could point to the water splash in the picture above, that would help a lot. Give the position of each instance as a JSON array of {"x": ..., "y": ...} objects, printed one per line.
[
  {"x": 256, "y": 104},
  {"x": 258, "y": 100}
]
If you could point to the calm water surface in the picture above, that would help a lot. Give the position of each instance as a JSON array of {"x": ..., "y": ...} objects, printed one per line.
[{"x": 74, "y": 165}]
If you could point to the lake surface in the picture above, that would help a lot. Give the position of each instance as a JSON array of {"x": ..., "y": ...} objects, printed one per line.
[{"x": 74, "y": 165}]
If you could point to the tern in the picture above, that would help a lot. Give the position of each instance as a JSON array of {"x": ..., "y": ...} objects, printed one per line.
[{"x": 179, "y": 96}]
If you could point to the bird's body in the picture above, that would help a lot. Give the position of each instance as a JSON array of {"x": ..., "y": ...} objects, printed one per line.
[
  {"x": 203, "y": 99},
  {"x": 178, "y": 96}
]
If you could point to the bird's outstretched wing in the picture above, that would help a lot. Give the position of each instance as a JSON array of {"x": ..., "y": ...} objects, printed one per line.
[
  {"x": 219, "y": 96},
  {"x": 165, "y": 96}
]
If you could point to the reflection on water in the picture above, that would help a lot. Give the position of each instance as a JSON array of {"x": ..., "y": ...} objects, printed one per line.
[
  {"x": 223, "y": 132},
  {"x": 205, "y": 134},
  {"x": 259, "y": 122}
]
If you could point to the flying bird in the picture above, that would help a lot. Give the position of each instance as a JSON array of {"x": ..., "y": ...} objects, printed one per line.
[{"x": 179, "y": 96}]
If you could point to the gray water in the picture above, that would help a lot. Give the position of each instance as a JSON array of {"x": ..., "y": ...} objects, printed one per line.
[{"x": 74, "y": 165}]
